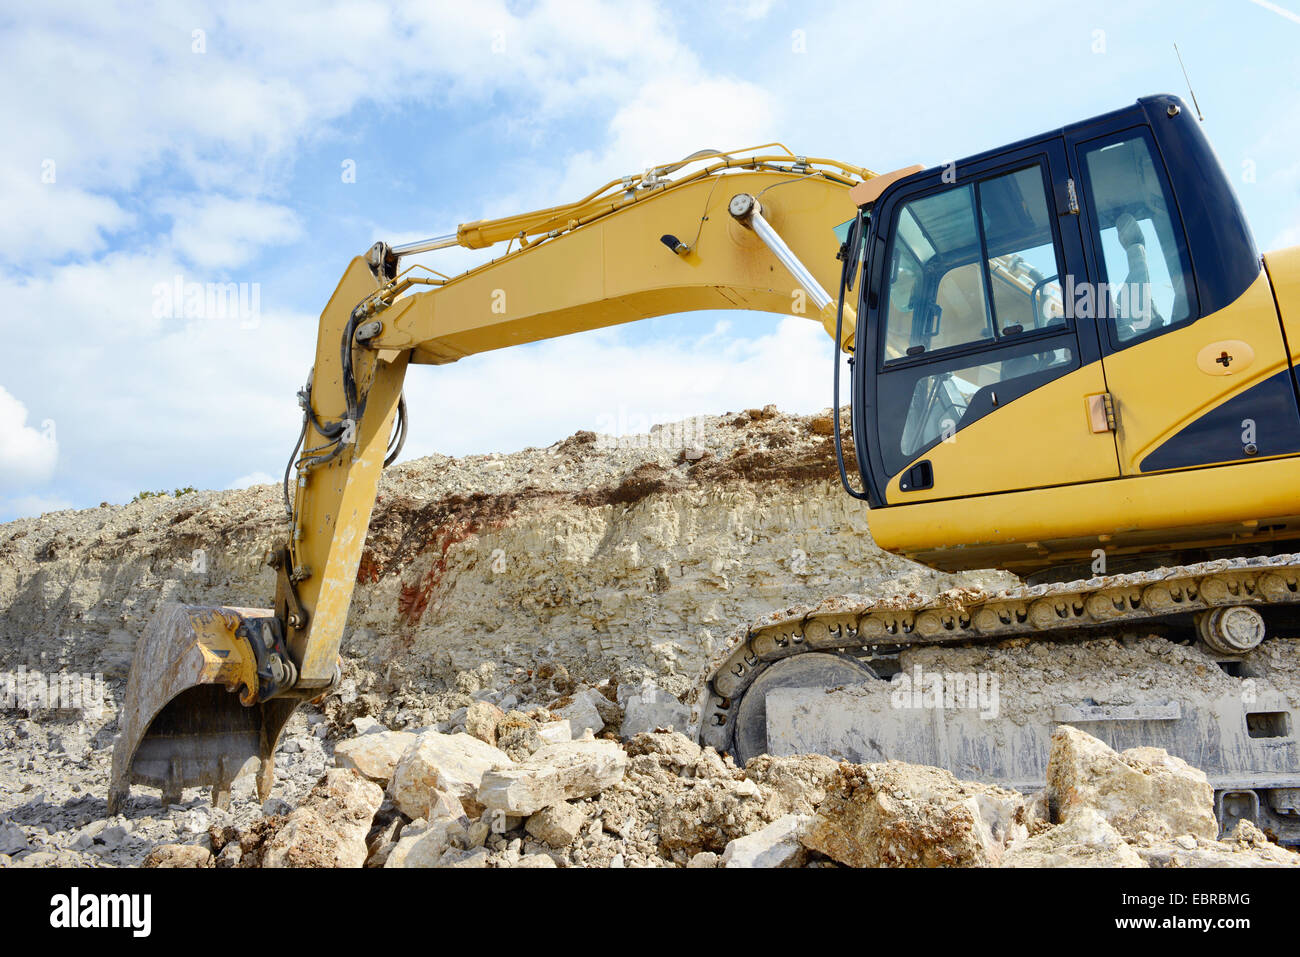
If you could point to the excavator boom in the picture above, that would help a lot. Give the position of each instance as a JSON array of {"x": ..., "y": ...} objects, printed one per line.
[{"x": 641, "y": 246}]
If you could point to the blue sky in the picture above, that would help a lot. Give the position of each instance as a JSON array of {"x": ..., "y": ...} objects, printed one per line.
[{"x": 140, "y": 151}]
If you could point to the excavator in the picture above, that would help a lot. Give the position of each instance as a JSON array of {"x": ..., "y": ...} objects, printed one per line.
[{"x": 1067, "y": 360}]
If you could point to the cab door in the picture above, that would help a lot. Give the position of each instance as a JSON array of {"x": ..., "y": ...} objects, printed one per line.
[
  {"x": 978, "y": 379},
  {"x": 1195, "y": 358}
]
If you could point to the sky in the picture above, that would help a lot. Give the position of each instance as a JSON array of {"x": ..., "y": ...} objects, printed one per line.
[{"x": 185, "y": 142}]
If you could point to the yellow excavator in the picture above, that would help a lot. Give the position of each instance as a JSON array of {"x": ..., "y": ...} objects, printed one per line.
[{"x": 1068, "y": 360}]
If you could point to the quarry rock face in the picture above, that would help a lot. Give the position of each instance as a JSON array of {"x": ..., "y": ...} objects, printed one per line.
[{"x": 620, "y": 555}]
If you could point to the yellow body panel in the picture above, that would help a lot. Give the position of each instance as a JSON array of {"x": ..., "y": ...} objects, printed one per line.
[
  {"x": 1032, "y": 529},
  {"x": 1030, "y": 485},
  {"x": 1159, "y": 387},
  {"x": 1283, "y": 268},
  {"x": 1043, "y": 438}
]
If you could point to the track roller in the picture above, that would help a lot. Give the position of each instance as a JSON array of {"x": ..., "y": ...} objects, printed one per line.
[{"x": 1234, "y": 630}]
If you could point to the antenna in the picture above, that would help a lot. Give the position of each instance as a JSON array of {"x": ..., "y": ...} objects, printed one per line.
[{"x": 1189, "y": 84}]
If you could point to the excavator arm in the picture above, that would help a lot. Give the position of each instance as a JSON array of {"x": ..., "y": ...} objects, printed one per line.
[{"x": 212, "y": 687}]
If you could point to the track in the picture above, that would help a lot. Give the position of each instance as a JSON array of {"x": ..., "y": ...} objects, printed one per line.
[{"x": 964, "y": 616}]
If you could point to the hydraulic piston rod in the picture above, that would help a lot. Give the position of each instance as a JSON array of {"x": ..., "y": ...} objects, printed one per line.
[{"x": 749, "y": 213}]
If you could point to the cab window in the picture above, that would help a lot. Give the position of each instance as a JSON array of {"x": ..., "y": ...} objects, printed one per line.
[
  {"x": 1020, "y": 253},
  {"x": 936, "y": 296},
  {"x": 1142, "y": 250},
  {"x": 974, "y": 310},
  {"x": 974, "y": 264}
]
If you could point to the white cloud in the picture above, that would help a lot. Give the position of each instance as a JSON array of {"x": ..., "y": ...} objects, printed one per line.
[
  {"x": 144, "y": 401},
  {"x": 748, "y": 9},
  {"x": 665, "y": 123},
  {"x": 48, "y": 218},
  {"x": 605, "y": 381},
  {"x": 27, "y": 455},
  {"x": 124, "y": 105},
  {"x": 217, "y": 232},
  {"x": 111, "y": 90}
]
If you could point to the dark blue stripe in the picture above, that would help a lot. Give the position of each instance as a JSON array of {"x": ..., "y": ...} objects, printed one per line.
[{"x": 1217, "y": 435}]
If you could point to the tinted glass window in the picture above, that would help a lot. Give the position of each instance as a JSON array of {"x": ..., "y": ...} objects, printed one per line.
[
  {"x": 956, "y": 279},
  {"x": 1021, "y": 252},
  {"x": 936, "y": 296},
  {"x": 1144, "y": 255},
  {"x": 941, "y": 401}
]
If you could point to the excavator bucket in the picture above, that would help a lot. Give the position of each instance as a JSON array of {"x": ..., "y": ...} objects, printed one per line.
[{"x": 184, "y": 722}]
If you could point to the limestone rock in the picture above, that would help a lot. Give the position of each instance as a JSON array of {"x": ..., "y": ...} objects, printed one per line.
[
  {"x": 13, "y": 840},
  {"x": 444, "y": 805},
  {"x": 329, "y": 828},
  {"x": 674, "y": 748},
  {"x": 381, "y": 841},
  {"x": 904, "y": 815},
  {"x": 453, "y": 857},
  {"x": 555, "y": 732},
  {"x": 704, "y": 859},
  {"x": 652, "y": 708},
  {"x": 481, "y": 721},
  {"x": 582, "y": 712},
  {"x": 517, "y": 735},
  {"x": 554, "y": 773},
  {"x": 776, "y": 845},
  {"x": 178, "y": 855},
  {"x": 1086, "y": 840},
  {"x": 422, "y": 843},
  {"x": 558, "y": 825},
  {"x": 711, "y": 814},
  {"x": 243, "y": 847},
  {"x": 455, "y": 763},
  {"x": 367, "y": 725},
  {"x": 800, "y": 781},
  {"x": 1142, "y": 789},
  {"x": 1246, "y": 846},
  {"x": 375, "y": 754}
]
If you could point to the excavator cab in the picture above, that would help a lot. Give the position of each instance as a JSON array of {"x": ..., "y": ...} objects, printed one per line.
[{"x": 1070, "y": 343}]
